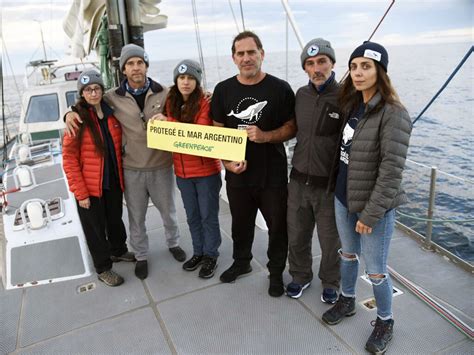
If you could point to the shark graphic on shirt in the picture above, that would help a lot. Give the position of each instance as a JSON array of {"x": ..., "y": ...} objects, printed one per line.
[{"x": 250, "y": 113}]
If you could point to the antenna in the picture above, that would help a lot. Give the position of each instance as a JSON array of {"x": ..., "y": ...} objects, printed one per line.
[{"x": 42, "y": 40}]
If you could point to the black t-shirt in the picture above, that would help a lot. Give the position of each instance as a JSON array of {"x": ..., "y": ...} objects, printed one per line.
[
  {"x": 268, "y": 105},
  {"x": 348, "y": 133}
]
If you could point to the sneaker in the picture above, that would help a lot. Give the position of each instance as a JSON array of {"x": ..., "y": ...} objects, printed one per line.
[
  {"x": 231, "y": 274},
  {"x": 295, "y": 290},
  {"x": 344, "y": 307},
  {"x": 141, "y": 269},
  {"x": 193, "y": 263},
  {"x": 381, "y": 335},
  {"x": 110, "y": 278},
  {"x": 276, "y": 288},
  {"x": 209, "y": 266},
  {"x": 127, "y": 256},
  {"x": 329, "y": 296},
  {"x": 178, "y": 253}
]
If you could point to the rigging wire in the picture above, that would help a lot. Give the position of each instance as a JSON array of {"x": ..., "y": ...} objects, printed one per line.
[
  {"x": 198, "y": 40},
  {"x": 446, "y": 83},
  {"x": 372, "y": 34},
  {"x": 233, "y": 15},
  {"x": 215, "y": 41},
  {"x": 242, "y": 14}
]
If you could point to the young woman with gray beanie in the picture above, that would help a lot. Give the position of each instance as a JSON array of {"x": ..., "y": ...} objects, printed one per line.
[
  {"x": 198, "y": 178},
  {"x": 92, "y": 160},
  {"x": 372, "y": 157}
]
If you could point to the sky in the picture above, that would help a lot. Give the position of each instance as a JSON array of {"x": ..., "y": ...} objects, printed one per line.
[{"x": 346, "y": 23}]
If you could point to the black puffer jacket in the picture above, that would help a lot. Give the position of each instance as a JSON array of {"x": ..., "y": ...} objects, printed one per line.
[{"x": 377, "y": 159}]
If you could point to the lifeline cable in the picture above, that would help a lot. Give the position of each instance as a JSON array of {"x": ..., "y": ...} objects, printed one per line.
[{"x": 428, "y": 299}]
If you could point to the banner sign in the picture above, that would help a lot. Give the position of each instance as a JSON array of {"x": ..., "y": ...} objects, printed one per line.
[{"x": 207, "y": 141}]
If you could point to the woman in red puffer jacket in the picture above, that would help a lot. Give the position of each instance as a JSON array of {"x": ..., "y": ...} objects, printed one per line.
[
  {"x": 92, "y": 161},
  {"x": 198, "y": 178}
]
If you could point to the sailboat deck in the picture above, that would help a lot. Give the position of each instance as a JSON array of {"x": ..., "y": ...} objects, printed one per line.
[{"x": 175, "y": 312}]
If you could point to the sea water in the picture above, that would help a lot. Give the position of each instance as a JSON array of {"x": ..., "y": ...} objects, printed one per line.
[{"x": 441, "y": 138}]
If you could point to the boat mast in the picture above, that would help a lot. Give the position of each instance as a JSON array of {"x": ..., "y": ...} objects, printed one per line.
[{"x": 124, "y": 26}]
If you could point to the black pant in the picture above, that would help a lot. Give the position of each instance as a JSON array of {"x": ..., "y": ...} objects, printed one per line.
[
  {"x": 103, "y": 227},
  {"x": 244, "y": 203}
]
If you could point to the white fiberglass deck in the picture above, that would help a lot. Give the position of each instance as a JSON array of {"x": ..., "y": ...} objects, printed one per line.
[{"x": 175, "y": 312}]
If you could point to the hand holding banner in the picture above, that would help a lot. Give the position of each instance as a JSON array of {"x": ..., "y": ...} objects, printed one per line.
[{"x": 207, "y": 141}]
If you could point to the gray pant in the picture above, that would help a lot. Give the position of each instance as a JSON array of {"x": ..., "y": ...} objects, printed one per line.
[
  {"x": 159, "y": 186},
  {"x": 307, "y": 206}
]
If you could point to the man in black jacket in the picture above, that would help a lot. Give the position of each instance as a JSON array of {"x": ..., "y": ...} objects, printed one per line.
[{"x": 310, "y": 198}]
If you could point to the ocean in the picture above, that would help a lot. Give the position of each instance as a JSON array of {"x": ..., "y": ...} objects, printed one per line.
[{"x": 441, "y": 138}]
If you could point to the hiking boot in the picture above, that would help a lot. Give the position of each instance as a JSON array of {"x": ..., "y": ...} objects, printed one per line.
[
  {"x": 276, "y": 286},
  {"x": 344, "y": 307},
  {"x": 295, "y": 290},
  {"x": 141, "y": 269},
  {"x": 231, "y": 274},
  {"x": 127, "y": 256},
  {"x": 178, "y": 253},
  {"x": 193, "y": 263},
  {"x": 209, "y": 266},
  {"x": 110, "y": 278},
  {"x": 381, "y": 335},
  {"x": 329, "y": 296}
]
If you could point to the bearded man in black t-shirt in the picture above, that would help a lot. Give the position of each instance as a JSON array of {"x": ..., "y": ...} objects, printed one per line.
[{"x": 263, "y": 105}]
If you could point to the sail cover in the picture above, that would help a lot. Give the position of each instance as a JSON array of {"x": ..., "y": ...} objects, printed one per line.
[{"x": 82, "y": 22}]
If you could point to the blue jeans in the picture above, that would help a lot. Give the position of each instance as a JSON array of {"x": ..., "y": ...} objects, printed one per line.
[
  {"x": 201, "y": 201},
  {"x": 374, "y": 250}
]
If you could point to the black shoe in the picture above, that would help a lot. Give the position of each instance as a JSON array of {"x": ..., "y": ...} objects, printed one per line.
[
  {"x": 344, "y": 307},
  {"x": 381, "y": 335},
  {"x": 127, "y": 256},
  {"x": 276, "y": 286},
  {"x": 235, "y": 271},
  {"x": 193, "y": 263},
  {"x": 178, "y": 253},
  {"x": 209, "y": 266},
  {"x": 141, "y": 269}
]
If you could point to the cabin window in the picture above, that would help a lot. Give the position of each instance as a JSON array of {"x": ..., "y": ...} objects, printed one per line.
[
  {"x": 71, "y": 97},
  {"x": 42, "y": 108}
]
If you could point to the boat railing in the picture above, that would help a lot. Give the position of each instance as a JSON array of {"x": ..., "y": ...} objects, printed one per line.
[{"x": 440, "y": 209}]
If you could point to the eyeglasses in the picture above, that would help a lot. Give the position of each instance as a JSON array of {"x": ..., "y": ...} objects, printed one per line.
[{"x": 89, "y": 90}]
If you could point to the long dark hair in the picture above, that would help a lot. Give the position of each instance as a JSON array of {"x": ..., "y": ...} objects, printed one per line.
[
  {"x": 180, "y": 110},
  {"x": 82, "y": 108},
  {"x": 350, "y": 98}
]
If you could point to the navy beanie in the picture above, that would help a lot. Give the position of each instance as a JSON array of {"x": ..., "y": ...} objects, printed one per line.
[{"x": 373, "y": 51}]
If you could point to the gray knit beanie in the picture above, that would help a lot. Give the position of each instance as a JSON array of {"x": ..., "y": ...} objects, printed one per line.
[
  {"x": 189, "y": 67},
  {"x": 132, "y": 50},
  {"x": 317, "y": 46},
  {"x": 87, "y": 78}
]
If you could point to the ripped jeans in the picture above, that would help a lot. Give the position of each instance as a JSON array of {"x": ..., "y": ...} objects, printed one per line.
[{"x": 373, "y": 248}]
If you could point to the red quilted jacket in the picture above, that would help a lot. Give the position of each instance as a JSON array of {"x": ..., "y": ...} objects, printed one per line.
[
  {"x": 190, "y": 166},
  {"x": 83, "y": 165}
]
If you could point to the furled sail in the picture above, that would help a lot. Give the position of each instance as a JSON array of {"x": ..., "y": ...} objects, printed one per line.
[{"x": 84, "y": 18}]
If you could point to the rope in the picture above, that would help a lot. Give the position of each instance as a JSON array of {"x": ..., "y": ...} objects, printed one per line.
[
  {"x": 446, "y": 83},
  {"x": 436, "y": 220},
  {"x": 198, "y": 40},
  {"x": 215, "y": 41},
  {"x": 233, "y": 15},
  {"x": 430, "y": 301},
  {"x": 242, "y": 14}
]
